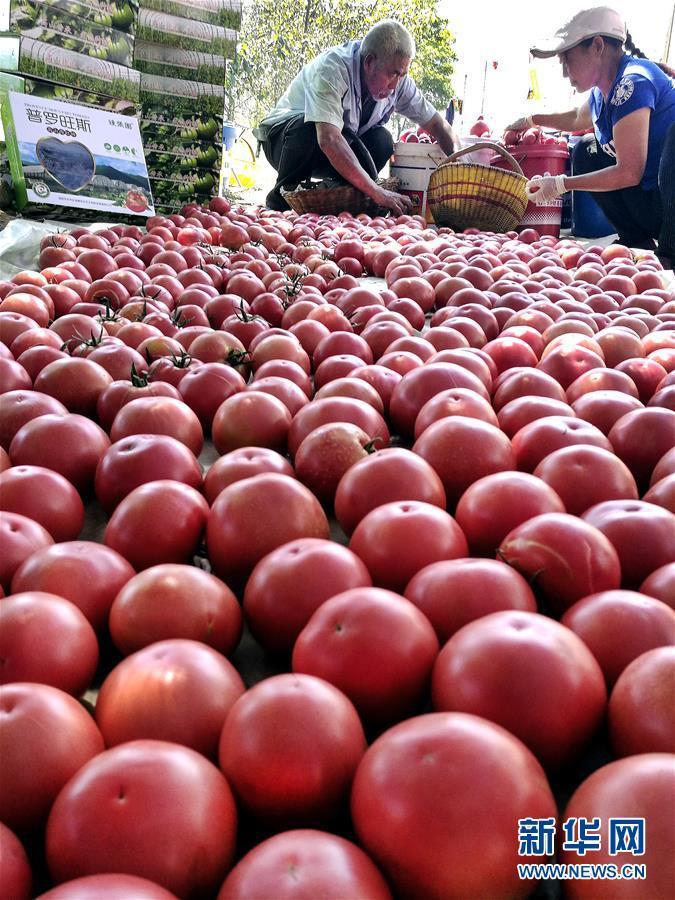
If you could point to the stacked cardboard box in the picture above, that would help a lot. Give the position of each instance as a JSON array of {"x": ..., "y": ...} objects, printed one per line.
[{"x": 183, "y": 50}]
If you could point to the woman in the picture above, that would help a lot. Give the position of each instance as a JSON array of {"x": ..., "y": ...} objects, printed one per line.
[{"x": 629, "y": 162}]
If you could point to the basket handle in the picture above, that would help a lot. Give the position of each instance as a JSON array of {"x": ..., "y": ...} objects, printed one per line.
[{"x": 489, "y": 145}]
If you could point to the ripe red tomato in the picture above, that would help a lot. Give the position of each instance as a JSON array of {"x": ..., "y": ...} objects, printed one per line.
[
  {"x": 88, "y": 574},
  {"x": 46, "y": 639},
  {"x": 420, "y": 785},
  {"x": 604, "y": 408},
  {"x": 174, "y": 690},
  {"x": 563, "y": 556},
  {"x": 619, "y": 626},
  {"x": 250, "y": 419},
  {"x": 168, "y": 501},
  {"x": 639, "y": 787},
  {"x": 70, "y": 445},
  {"x": 250, "y": 518},
  {"x": 386, "y": 540},
  {"x": 627, "y": 440},
  {"x": 147, "y": 808},
  {"x": 461, "y": 450},
  {"x": 452, "y": 593},
  {"x": 336, "y": 409},
  {"x": 373, "y": 645},
  {"x": 642, "y": 534},
  {"x": 327, "y": 865},
  {"x": 15, "y": 872},
  {"x": 585, "y": 475},
  {"x": 384, "y": 477},
  {"x": 640, "y": 711},
  {"x": 661, "y": 584},
  {"x": 139, "y": 459},
  {"x": 289, "y": 748},
  {"x": 325, "y": 455},
  {"x": 275, "y": 611},
  {"x": 19, "y": 407},
  {"x": 75, "y": 382},
  {"x": 20, "y": 538},
  {"x": 108, "y": 887},
  {"x": 454, "y": 402},
  {"x": 175, "y": 601},
  {"x": 528, "y": 674},
  {"x": 243, "y": 463},
  {"x": 35, "y": 769},
  {"x": 159, "y": 415}
]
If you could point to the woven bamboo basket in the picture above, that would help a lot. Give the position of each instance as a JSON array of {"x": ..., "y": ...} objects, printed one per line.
[
  {"x": 469, "y": 195},
  {"x": 332, "y": 201}
]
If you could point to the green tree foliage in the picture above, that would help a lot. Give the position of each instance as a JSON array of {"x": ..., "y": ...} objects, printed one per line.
[{"x": 279, "y": 36}]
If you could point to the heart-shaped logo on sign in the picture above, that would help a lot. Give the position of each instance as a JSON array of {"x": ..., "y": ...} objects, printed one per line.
[{"x": 68, "y": 162}]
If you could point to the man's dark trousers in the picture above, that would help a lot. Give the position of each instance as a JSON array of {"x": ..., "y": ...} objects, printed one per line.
[{"x": 292, "y": 148}]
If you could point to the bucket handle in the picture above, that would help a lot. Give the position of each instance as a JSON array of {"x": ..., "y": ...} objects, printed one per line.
[{"x": 479, "y": 145}]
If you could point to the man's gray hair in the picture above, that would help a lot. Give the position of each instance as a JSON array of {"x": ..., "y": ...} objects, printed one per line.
[{"x": 388, "y": 39}]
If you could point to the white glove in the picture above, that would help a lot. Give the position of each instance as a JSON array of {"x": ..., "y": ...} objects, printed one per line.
[
  {"x": 543, "y": 189},
  {"x": 521, "y": 124}
]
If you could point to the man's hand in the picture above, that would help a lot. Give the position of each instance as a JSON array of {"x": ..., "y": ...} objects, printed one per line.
[
  {"x": 397, "y": 203},
  {"x": 521, "y": 124}
]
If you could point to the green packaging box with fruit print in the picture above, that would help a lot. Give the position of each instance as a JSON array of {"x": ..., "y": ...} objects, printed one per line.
[
  {"x": 167, "y": 101},
  {"x": 35, "y": 59},
  {"x": 173, "y": 62},
  {"x": 181, "y": 157},
  {"x": 16, "y": 84},
  {"x": 54, "y": 25},
  {"x": 172, "y": 31},
  {"x": 51, "y": 91},
  {"x": 190, "y": 129},
  {"x": 120, "y": 15},
  {"x": 225, "y": 13}
]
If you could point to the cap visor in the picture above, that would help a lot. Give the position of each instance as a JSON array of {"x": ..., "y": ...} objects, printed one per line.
[{"x": 546, "y": 49}]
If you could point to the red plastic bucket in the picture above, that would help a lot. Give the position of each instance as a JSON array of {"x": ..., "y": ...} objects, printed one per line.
[{"x": 535, "y": 159}]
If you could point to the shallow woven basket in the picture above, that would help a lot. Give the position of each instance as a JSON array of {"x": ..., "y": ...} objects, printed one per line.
[
  {"x": 332, "y": 201},
  {"x": 469, "y": 195}
]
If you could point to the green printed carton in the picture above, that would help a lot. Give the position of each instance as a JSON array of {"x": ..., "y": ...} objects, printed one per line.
[
  {"x": 120, "y": 15},
  {"x": 173, "y": 62},
  {"x": 62, "y": 92},
  {"x": 225, "y": 13},
  {"x": 188, "y": 34},
  {"x": 35, "y": 59}
]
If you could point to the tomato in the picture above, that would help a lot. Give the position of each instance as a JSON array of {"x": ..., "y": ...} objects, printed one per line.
[
  {"x": 642, "y": 534},
  {"x": 139, "y": 459},
  {"x": 147, "y": 808},
  {"x": 640, "y": 712},
  {"x": 601, "y": 380},
  {"x": 385, "y": 540},
  {"x": 324, "y": 864},
  {"x": 603, "y": 408},
  {"x": 383, "y": 477},
  {"x": 528, "y": 674},
  {"x": 629, "y": 444},
  {"x": 35, "y": 769},
  {"x": 250, "y": 419},
  {"x": 336, "y": 409},
  {"x": 584, "y": 475},
  {"x": 420, "y": 385},
  {"x": 373, "y": 645},
  {"x": 565, "y": 557},
  {"x": 119, "y": 393},
  {"x": 250, "y": 518},
  {"x": 109, "y": 887},
  {"x": 243, "y": 463},
  {"x": 159, "y": 415},
  {"x": 20, "y": 538},
  {"x": 289, "y": 748},
  {"x": 167, "y": 501},
  {"x": 275, "y": 611},
  {"x": 639, "y": 787},
  {"x": 461, "y": 450},
  {"x": 326, "y": 454},
  {"x": 15, "y": 872},
  {"x": 450, "y": 787},
  {"x": 46, "y": 639},
  {"x": 44, "y": 496},
  {"x": 19, "y": 407},
  {"x": 88, "y": 574},
  {"x": 661, "y": 584},
  {"x": 454, "y": 402},
  {"x": 535, "y": 441},
  {"x": 291, "y": 395},
  {"x": 174, "y": 690}
]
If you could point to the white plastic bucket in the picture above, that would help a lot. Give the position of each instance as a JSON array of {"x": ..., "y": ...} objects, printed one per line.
[{"x": 413, "y": 165}]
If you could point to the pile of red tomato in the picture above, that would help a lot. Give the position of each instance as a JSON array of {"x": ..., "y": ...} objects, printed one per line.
[{"x": 441, "y": 509}]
